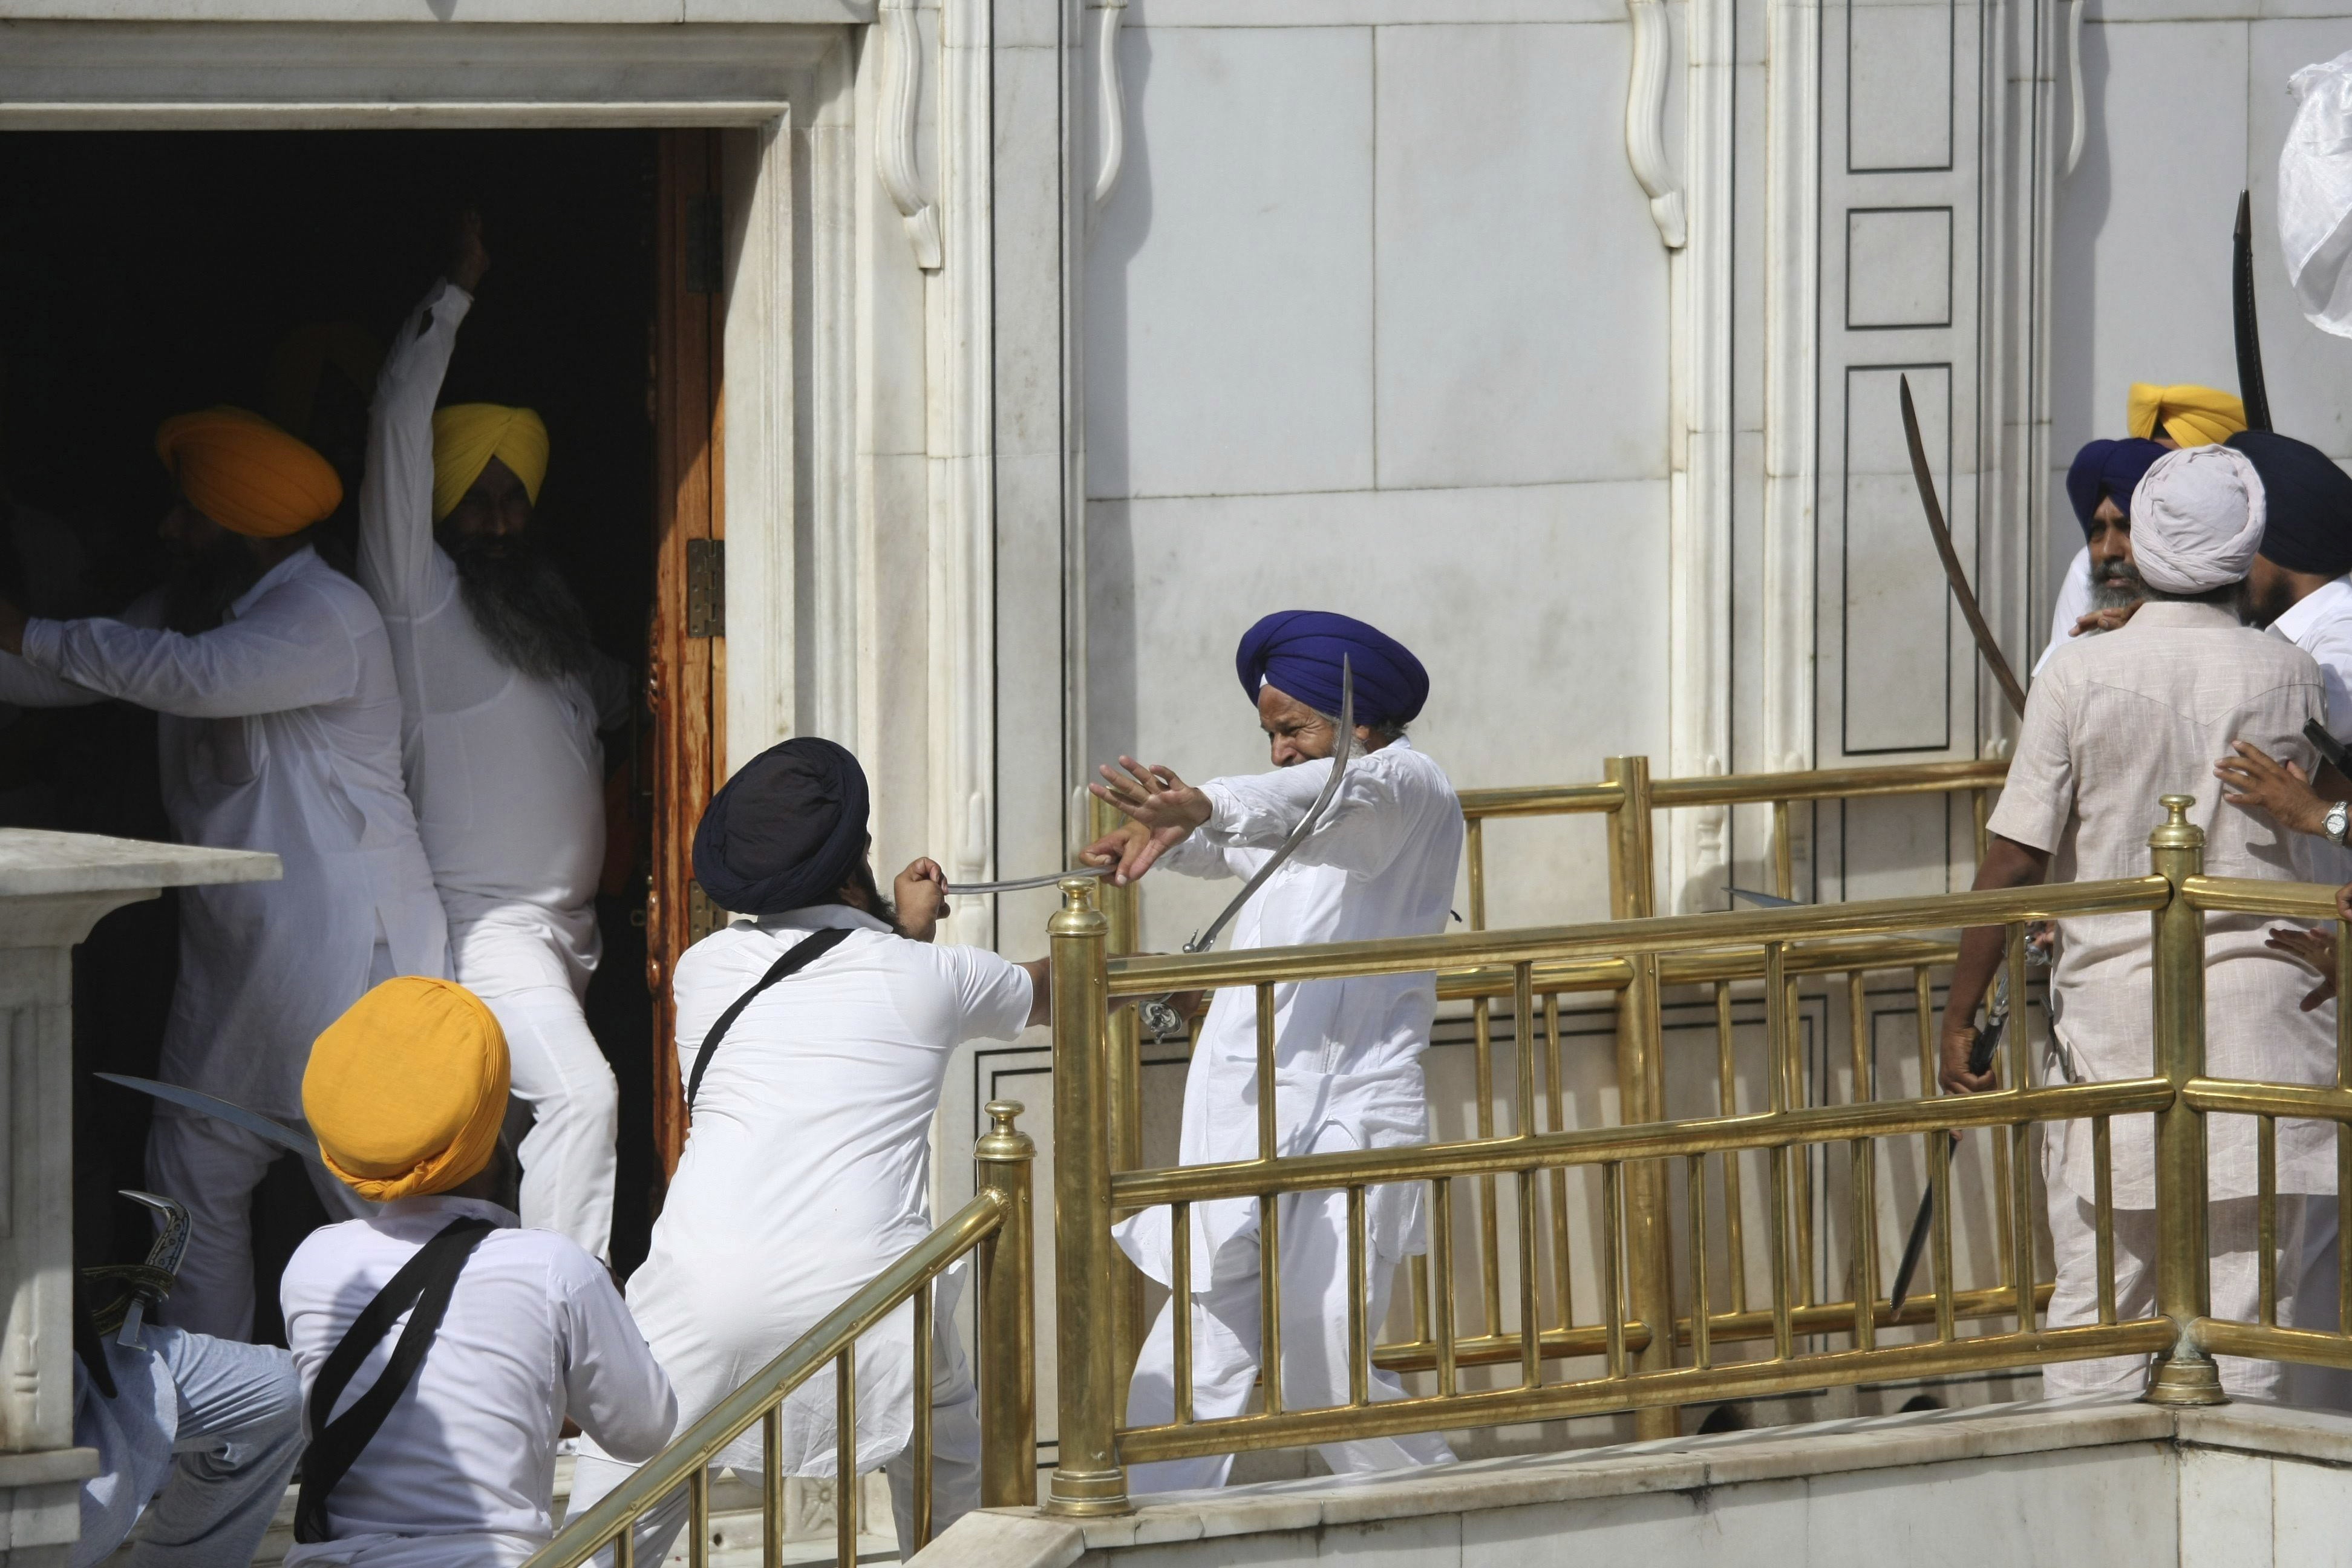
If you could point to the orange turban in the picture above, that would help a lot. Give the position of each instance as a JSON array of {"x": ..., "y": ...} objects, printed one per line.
[
  {"x": 2190, "y": 416},
  {"x": 467, "y": 435},
  {"x": 247, "y": 474},
  {"x": 408, "y": 1090}
]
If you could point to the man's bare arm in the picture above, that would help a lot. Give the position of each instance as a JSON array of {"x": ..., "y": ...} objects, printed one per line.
[
  {"x": 1040, "y": 990},
  {"x": 2007, "y": 864}
]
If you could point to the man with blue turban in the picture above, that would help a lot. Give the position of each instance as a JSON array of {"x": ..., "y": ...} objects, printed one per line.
[
  {"x": 1381, "y": 863},
  {"x": 2101, "y": 578}
]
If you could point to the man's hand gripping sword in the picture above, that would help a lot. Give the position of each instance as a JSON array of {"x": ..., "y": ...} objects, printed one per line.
[{"x": 1158, "y": 1017}]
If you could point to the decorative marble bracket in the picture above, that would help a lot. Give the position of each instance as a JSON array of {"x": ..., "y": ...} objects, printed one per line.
[
  {"x": 894, "y": 158},
  {"x": 1645, "y": 114},
  {"x": 2076, "y": 126},
  {"x": 1111, "y": 100}
]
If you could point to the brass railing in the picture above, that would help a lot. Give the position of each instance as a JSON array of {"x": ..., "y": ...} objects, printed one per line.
[
  {"x": 1636, "y": 1370},
  {"x": 997, "y": 1225},
  {"x": 1629, "y": 800}
]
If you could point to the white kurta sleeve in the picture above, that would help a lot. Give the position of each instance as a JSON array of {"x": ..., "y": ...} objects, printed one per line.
[
  {"x": 1367, "y": 822},
  {"x": 396, "y": 563},
  {"x": 612, "y": 1385},
  {"x": 288, "y": 649},
  {"x": 2073, "y": 604},
  {"x": 27, "y": 686},
  {"x": 2038, "y": 796},
  {"x": 993, "y": 995}
]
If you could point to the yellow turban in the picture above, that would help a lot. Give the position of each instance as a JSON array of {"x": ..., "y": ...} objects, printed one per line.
[
  {"x": 406, "y": 1091},
  {"x": 2191, "y": 416},
  {"x": 247, "y": 474},
  {"x": 467, "y": 435}
]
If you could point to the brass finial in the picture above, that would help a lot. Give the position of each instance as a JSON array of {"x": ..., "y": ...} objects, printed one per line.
[
  {"x": 2177, "y": 832},
  {"x": 1077, "y": 915},
  {"x": 1004, "y": 1141}
]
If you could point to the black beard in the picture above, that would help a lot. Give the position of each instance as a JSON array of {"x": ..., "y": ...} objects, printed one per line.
[
  {"x": 523, "y": 607},
  {"x": 205, "y": 583},
  {"x": 880, "y": 908}
]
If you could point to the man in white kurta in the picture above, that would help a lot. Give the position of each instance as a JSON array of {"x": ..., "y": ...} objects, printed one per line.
[
  {"x": 807, "y": 1171},
  {"x": 1348, "y": 1074},
  {"x": 279, "y": 731},
  {"x": 461, "y": 1474},
  {"x": 502, "y": 759},
  {"x": 2099, "y": 485},
  {"x": 2114, "y": 723}
]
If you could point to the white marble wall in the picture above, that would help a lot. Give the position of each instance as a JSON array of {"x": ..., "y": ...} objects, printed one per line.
[
  {"x": 1377, "y": 322},
  {"x": 2185, "y": 105}
]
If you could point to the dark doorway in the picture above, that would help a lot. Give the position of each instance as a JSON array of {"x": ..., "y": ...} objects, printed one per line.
[{"x": 147, "y": 274}]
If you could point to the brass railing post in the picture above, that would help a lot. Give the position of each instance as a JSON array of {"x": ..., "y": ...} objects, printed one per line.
[
  {"x": 2186, "y": 1374},
  {"x": 1640, "y": 1088},
  {"x": 1121, "y": 908},
  {"x": 1006, "y": 1328},
  {"x": 1089, "y": 1479}
]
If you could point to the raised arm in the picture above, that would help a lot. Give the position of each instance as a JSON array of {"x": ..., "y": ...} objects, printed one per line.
[
  {"x": 291, "y": 649},
  {"x": 395, "y": 559}
]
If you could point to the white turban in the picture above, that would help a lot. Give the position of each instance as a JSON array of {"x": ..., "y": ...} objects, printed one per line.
[{"x": 2197, "y": 521}]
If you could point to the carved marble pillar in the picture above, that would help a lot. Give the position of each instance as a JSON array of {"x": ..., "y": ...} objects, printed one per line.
[{"x": 53, "y": 887}]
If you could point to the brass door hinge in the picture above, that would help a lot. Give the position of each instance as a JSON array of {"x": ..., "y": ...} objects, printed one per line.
[
  {"x": 702, "y": 916},
  {"x": 706, "y": 587}
]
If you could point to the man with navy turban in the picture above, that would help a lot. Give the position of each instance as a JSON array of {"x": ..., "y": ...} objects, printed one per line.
[
  {"x": 814, "y": 1033},
  {"x": 1379, "y": 862},
  {"x": 2298, "y": 589},
  {"x": 2100, "y": 585}
]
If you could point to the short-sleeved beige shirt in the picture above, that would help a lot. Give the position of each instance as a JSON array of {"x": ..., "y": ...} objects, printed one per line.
[{"x": 2114, "y": 721}]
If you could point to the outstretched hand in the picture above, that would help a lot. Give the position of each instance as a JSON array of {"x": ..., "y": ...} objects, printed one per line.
[
  {"x": 2103, "y": 620},
  {"x": 2251, "y": 777},
  {"x": 1161, "y": 811},
  {"x": 2315, "y": 948}
]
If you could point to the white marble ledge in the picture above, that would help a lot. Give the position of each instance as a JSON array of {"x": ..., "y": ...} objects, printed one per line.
[
  {"x": 570, "y": 12},
  {"x": 47, "y": 1468},
  {"x": 35, "y": 863},
  {"x": 1026, "y": 1539}
]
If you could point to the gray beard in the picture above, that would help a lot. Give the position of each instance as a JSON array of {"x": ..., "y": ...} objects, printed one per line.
[
  {"x": 2115, "y": 593},
  {"x": 526, "y": 612}
]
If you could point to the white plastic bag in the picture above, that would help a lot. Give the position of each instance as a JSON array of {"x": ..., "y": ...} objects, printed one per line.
[{"x": 2315, "y": 195}]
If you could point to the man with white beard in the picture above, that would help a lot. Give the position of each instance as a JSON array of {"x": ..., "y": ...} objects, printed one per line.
[
  {"x": 498, "y": 734},
  {"x": 1379, "y": 862}
]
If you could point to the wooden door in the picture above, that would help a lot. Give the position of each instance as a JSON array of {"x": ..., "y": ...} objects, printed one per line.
[{"x": 689, "y": 655}]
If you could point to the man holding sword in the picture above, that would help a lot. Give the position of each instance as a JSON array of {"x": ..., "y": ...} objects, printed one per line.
[{"x": 1378, "y": 860}]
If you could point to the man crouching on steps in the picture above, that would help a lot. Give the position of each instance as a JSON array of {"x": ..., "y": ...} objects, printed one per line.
[{"x": 440, "y": 1347}]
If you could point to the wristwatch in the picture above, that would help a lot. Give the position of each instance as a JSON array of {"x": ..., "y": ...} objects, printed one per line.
[{"x": 2338, "y": 819}]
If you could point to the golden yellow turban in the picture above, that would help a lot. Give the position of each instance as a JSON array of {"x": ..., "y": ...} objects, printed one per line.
[
  {"x": 247, "y": 474},
  {"x": 2191, "y": 416},
  {"x": 467, "y": 435},
  {"x": 406, "y": 1091}
]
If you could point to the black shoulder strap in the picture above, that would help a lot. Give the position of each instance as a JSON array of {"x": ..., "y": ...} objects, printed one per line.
[
  {"x": 807, "y": 950},
  {"x": 425, "y": 1282}
]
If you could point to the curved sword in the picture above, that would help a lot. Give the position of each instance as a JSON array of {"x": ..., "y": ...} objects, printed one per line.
[
  {"x": 2252, "y": 390},
  {"x": 1342, "y": 746},
  {"x": 227, "y": 1111},
  {"x": 1023, "y": 884},
  {"x": 1953, "y": 572}
]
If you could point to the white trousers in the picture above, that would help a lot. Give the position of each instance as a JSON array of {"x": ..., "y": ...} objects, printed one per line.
[
  {"x": 955, "y": 1463},
  {"x": 1314, "y": 1349},
  {"x": 576, "y": 1110},
  {"x": 212, "y": 1168},
  {"x": 2306, "y": 1291}
]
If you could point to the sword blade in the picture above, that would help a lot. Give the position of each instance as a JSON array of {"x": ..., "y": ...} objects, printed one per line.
[
  {"x": 236, "y": 1115},
  {"x": 1981, "y": 1054},
  {"x": 1023, "y": 884},
  {"x": 1767, "y": 900},
  {"x": 1339, "y": 752},
  {"x": 2252, "y": 391},
  {"x": 1924, "y": 478}
]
